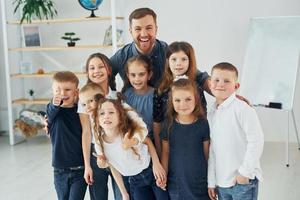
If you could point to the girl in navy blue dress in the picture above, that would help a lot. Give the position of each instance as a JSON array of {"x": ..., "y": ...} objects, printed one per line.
[
  {"x": 180, "y": 60},
  {"x": 185, "y": 143}
]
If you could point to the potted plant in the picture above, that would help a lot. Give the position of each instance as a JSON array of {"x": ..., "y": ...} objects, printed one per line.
[
  {"x": 70, "y": 37},
  {"x": 31, "y": 94},
  {"x": 35, "y": 9}
]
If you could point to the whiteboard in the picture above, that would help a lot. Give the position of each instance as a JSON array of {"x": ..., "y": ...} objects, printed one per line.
[{"x": 271, "y": 61}]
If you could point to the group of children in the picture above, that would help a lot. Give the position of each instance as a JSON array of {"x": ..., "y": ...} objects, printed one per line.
[{"x": 157, "y": 143}]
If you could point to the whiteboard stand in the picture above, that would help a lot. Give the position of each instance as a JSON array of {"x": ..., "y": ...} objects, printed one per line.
[{"x": 288, "y": 135}]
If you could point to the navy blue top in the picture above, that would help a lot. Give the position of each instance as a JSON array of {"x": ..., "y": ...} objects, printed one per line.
[
  {"x": 157, "y": 56},
  {"x": 143, "y": 104},
  {"x": 65, "y": 133},
  {"x": 160, "y": 101},
  {"x": 187, "y": 163}
]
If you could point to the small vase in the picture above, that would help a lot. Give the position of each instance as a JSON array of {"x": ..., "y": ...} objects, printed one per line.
[
  {"x": 71, "y": 44},
  {"x": 31, "y": 97}
]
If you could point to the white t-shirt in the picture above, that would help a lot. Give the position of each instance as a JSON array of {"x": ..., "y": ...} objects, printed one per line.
[{"x": 126, "y": 161}]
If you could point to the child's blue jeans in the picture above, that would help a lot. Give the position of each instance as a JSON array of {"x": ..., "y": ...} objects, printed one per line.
[
  {"x": 99, "y": 190},
  {"x": 69, "y": 183},
  {"x": 239, "y": 191},
  {"x": 143, "y": 186}
]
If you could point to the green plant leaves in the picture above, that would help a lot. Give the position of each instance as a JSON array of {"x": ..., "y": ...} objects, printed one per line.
[{"x": 35, "y": 8}]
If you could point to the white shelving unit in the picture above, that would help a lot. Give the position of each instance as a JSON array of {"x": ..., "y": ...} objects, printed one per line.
[{"x": 9, "y": 49}]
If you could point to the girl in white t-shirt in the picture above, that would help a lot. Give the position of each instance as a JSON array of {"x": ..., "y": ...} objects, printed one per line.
[{"x": 112, "y": 126}]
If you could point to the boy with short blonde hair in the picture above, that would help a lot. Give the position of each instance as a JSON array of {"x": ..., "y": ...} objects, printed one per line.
[
  {"x": 65, "y": 133},
  {"x": 236, "y": 140}
]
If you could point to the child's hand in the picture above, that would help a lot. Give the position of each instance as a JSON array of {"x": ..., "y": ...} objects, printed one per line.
[
  {"x": 57, "y": 99},
  {"x": 212, "y": 193},
  {"x": 88, "y": 175},
  {"x": 242, "y": 179},
  {"x": 101, "y": 161},
  {"x": 161, "y": 184},
  {"x": 129, "y": 142},
  {"x": 159, "y": 174}
]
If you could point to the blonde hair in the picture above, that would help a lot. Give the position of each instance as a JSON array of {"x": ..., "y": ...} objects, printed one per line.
[
  {"x": 192, "y": 69},
  {"x": 186, "y": 85},
  {"x": 126, "y": 124}
]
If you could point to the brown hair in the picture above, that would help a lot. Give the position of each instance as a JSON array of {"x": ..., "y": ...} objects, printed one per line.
[
  {"x": 168, "y": 76},
  {"x": 140, "y": 13},
  {"x": 183, "y": 84},
  {"x": 105, "y": 61},
  {"x": 142, "y": 60},
  {"x": 226, "y": 66},
  {"x": 126, "y": 124},
  {"x": 66, "y": 76}
]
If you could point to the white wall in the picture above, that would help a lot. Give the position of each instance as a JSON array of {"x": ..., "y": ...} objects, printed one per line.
[{"x": 218, "y": 29}]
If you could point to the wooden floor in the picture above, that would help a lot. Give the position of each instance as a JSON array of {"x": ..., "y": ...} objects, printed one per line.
[{"x": 26, "y": 173}]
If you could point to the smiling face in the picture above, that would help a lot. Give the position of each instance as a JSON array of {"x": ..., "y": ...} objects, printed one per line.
[
  {"x": 143, "y": 32},
  {"x": 67, "y": 90},
  {"x": 88, "y": 100},
  {"x": 138, "y": 76},
  {"x": 178, "y": 63},
  {"x": 97, "y": 71},
  {"x": 183, "y": 101},
  {"x": 223, "y": 84},
  {"x": 108, "y": 116}
]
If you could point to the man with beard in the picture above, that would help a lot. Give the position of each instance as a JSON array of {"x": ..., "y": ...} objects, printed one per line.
[{"x": 143, "y": 29}]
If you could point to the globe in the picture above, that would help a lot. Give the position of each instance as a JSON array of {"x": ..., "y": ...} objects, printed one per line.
[{"x": 90, "y": 5}]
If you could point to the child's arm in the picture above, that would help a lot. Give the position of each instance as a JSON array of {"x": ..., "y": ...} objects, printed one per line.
[
  {"x": 53, "y": 107},
  {"x": 211, "y": 174},
  {"x": 255, "y": 141},
  {"x": 86, "y": 147},
  {"x": 119, "y": 180},
  {"x": 157, "y": 140},
  {"x": 206, "y": 148},
  {"x": 158, "y": 170},
  {"x": 165, "y": 157}
]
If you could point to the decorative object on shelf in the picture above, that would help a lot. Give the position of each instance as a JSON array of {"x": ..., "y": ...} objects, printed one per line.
[
  {"x": 25, "y": 67},
  {"x": 108, "y": 36},
  {"x": 40, "y": 71},
  {"x": 31, "y": 35},
  {"x": 30, "y": 121},
  {"x": 70, "y": 36},
  {"x": 31, "y": 94},
  {"x": 39, "y": 9},
  {"x": 90, "y": 5}
]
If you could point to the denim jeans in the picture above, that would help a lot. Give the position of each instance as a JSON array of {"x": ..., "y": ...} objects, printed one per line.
[
  {"x": 99, "y": 189},
  {"x": 69, "y": 184},
  {"x": 239, "y": 191},
  {"x": 143, "y": 186}
]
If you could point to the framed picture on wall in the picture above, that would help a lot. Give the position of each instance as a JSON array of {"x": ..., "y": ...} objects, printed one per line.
[
  {"x": 31, "y": 36},
  {"x": 108, "y": 36}
]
